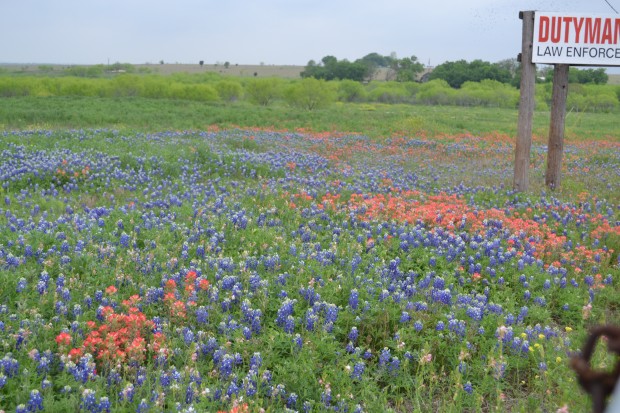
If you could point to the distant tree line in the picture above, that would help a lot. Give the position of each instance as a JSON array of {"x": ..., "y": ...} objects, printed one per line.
[{"x": 454, "y": 73}]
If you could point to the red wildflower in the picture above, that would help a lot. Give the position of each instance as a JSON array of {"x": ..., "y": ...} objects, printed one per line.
[{"x": 63, "y": 339}]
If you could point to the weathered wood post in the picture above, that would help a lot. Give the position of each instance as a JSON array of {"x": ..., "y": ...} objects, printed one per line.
[
  {"x": 555, "y": 147},
  {"x": 526, "y": 105}
]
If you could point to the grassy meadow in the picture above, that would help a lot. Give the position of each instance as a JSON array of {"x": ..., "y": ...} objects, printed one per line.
[{"x": 176, "y": 255}]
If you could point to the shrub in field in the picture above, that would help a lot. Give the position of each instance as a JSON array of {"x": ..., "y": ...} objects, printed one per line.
[
  {"x": 124, "y": 86},
  {"x": 155, "y": 87},
  {"x": 263, "y": 91},
  {"x": 229, "y": 90},
  {"x": 487, "y": 93},
  {"x": 75, "y": 86},
  {"x": 591, "y": 97},
  {"x": 436, "y": 92},
  {"x": 11, "y": 86},
  {"x": 85, "y": 71},
  {"x": 197, "y": 92},
  {"x": 310, "y": 94},
  {"x": 389, "y": 92},
  {"x": 351, "y": 91}
]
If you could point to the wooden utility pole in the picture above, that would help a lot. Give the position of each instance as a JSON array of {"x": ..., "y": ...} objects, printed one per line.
[
  {"x": 555, "y": 147},
  {"x": 526, "y": 105}
]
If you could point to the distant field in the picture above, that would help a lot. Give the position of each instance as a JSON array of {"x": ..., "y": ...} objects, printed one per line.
[
  {"x": 261, "y": 70},
  {"x": 283, "y": 71}
]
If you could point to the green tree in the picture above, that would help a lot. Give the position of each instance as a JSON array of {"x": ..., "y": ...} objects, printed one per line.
[
  {"x": 459, "y": 72},
  {"x": 331, "y": 68},
  {"x": 581, "y": 76},
  {"x": 407, "y": 69}
]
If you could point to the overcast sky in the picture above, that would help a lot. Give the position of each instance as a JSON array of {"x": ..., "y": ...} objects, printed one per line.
[{"x": 266, "y": 31}]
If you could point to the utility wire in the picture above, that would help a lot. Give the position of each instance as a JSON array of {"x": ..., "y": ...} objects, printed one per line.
[{"x": 612, "y": 7}]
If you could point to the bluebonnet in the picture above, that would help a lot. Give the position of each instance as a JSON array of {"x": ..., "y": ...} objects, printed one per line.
[
  {"x": 35, "y": 402},
  {"x": 358, "y": 370},
  {"x": 89, "y": 401},
  {"x": 353, "y": 334},
  {"x": 353, "y": 299}
]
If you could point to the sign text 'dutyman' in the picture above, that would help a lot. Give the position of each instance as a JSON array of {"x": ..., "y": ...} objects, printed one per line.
[{"x": 576, "y": 39}]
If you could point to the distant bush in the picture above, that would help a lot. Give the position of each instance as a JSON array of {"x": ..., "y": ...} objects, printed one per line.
[
  {"x": 351, "y": 91},
  {"x": 73, "y": 86},
  {"x": 263, "y": 91},
  {"x": 389, "y": 92},
  {"x": 436, "y": 92},
  {"x": 85, "y": 71},
  {"x": 487, "y": 93},
  {"x": 155, "y": 87},
  {"x": 201, "y": 93},
  {"x": 591, "y": 98},
  {"x": 125, "y": 86},
  {"x": 22, "y": 86},
  {"x": 121, "y": 67},
  {"x": 229, "y": 90},
  {"x": 310, "y": 94}
]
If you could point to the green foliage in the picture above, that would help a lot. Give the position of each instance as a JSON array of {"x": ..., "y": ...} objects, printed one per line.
[
  {"x": 74, "y": 86},
  {"x": 125, "y": 85},
  {"x": 229, "y": 90},
  {"x": 591, "y": 97},
  {"x": 332, "y": 69},
  {"x": 459, "y": 72},
  {"x": 351, "y": 91},
  {"x": 10, "y": 87},
  {"x": 263, "y": 91},
  {"x": 122, "y": 67},
  {"x": 407, "y": 69},
  {"x": 45, "y": 68},
  {"x": 594, "y": 76},
  {"x": 310, "y": 94},
  {"x": 436, "y": 92},
  {"x": 576, "y": 75},
  {"x": 213, "y": 87},
  {"x": 85, "y": 71},
  {"x": 389, "y": 92},
  {"x": 488, "y": 93},
  {"x": 376, "y": 60},
  {"x": 201, "y": 93},
  {"x": 155, "y": 87}
]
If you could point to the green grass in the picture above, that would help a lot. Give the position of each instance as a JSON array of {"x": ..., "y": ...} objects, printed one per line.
[{"x": 375, "y": 120}]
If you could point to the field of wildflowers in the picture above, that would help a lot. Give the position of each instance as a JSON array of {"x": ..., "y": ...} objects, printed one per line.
[{"x": 256, "y": 270}]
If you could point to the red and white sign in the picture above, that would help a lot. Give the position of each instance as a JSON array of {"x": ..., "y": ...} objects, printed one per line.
[{"x": 576, "y": 39}]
